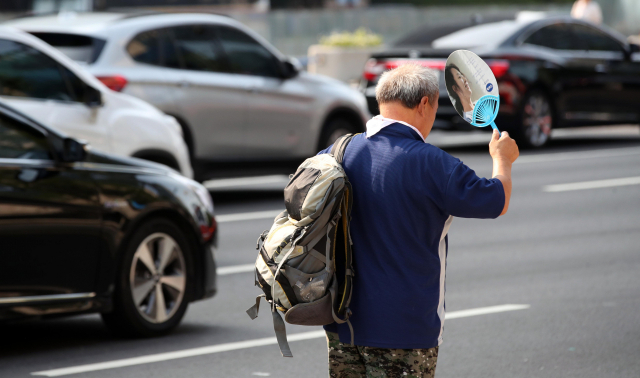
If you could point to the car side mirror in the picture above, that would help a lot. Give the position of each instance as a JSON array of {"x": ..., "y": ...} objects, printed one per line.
[
  {"x": 92, "y": 97},
  {"x": 291, "y": 67},
  {"x": 73, "y": 150}
]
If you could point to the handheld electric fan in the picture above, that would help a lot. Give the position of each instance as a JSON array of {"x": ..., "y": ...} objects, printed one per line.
[
  {"x": 486, "y": 111},
  {"x": 472, "y": 88}
]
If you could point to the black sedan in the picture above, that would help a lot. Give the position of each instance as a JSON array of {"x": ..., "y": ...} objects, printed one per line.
[
  {"x": 552, "y": 73},
  {"x": 82, "y": 232}
]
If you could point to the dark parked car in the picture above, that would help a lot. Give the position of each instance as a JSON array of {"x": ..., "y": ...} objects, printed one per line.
[
  {"x": 552, "y": 73},
  {"x": 82, "y": 231}
]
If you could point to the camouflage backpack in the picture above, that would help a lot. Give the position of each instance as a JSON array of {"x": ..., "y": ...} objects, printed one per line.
[{"x": 304, "y": 266}]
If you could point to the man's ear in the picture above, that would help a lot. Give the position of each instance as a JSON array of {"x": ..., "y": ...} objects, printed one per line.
[{"x": 424, "y": 101}]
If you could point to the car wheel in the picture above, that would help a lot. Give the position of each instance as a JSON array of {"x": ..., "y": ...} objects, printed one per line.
[
  {"x": 537, "y": 120},
  {"x": 153, "y": 284},
  {"x": 333, "y": 130}
]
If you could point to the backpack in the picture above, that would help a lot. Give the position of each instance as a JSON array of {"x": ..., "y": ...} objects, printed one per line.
[{"x": 304, "y": 265}]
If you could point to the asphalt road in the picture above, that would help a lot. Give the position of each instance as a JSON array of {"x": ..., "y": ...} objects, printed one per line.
[{"x": 570, "y": 253}]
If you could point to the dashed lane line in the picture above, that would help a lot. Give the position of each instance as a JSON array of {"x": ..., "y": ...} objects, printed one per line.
[
  {"x": 268, "y": 214},
  {"x": 159, "y": 357},
  {"x": 245, "y": 181},
  {"x": 244, "y": 268}
]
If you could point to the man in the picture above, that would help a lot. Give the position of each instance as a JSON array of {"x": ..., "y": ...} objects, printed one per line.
[
  {"x": 406, "y": 193},
  {"x": 587, "y": 10}
]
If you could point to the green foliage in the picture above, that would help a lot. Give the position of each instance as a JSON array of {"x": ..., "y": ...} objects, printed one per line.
[{"x": 359, "y": 38}]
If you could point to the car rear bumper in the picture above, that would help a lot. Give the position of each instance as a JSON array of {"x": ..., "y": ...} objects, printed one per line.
[{"x": 208, "y": 282}]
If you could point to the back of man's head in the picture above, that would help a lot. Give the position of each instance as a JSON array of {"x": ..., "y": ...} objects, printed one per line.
[{"x": 408, "y": 84}]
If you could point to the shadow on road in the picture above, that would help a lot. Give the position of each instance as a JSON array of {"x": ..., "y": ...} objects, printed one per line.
[
  {"x": 245, "y": 196},
  {"x": 23, "y": 338}
]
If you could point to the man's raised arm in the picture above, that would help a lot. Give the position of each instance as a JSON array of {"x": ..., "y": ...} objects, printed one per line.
[{"x": 504, "y": 152}]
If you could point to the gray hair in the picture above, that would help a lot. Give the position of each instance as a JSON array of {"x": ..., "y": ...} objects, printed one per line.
[{"x": 408, "y": 84}]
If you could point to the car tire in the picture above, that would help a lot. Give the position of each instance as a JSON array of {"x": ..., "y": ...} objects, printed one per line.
[
  {"x": 536, "y": 120},
  {"x": 154, "y": 280},
  {"x": 334, "y": 129}
]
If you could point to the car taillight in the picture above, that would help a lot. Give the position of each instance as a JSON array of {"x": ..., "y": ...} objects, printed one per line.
[
  {"x": 373, "y": 68},
  {"x": 116, "y": 82},
  {"x": 499, "y": 67},
  {"x": 208, "y": 231}
]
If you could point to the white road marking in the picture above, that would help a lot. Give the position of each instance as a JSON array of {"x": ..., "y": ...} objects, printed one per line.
[
  {"x": 245, "y": 181},
  {"x": 239, "y": 345},
  {"x": 223, "y": 271},
  {"x": 562, "y": 156},
  {"x": 592, "y": 184},
  {"x": 485, "y": 310},
  {"x": 175, "y": 355},
  {"x": 268, "y": 214}
]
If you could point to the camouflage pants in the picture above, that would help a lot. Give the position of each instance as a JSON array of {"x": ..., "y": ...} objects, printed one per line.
[{"x": 348, "y": 361}]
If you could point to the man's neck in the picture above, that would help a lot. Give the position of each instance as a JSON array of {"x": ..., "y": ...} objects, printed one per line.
[{"x": 406, "y": 117}]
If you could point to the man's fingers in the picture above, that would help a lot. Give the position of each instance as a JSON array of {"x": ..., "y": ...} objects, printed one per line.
[
  {"x": 504, "y": 135},
  {"x": 496, "y": 135}
]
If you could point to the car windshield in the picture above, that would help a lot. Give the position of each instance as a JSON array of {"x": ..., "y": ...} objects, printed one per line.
[
  {"x": 81, "y": 48},
  {"x": 480, "y": 35}
]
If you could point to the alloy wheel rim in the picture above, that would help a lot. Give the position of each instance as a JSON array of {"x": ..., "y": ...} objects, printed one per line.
[
  {"x": 157, "y": 278},
  {"x": 537, "y": 120}
]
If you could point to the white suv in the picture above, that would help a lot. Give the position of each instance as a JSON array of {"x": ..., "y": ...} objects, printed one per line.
[
  {"x": 48, "y": 86},
  {"x": 235, "y": 95}
]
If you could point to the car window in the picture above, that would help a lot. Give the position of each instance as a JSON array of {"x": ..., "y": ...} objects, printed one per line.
[
  {"x": 80, "y": 48},
  {"x": 18, "y": 141},
  {"x": 596, "y": 40},
  {"x": 145, "y": 48},
  {"x": 168, "y": 49},
  {"x": 479, "y": 35},
  {"x": 558, "y": 37},
  {"x": 154, "y": 47},
  {"x": 26, "y": 72},
  {"x": 197, "y": 46},
  {"x": 246, "y": 56}
]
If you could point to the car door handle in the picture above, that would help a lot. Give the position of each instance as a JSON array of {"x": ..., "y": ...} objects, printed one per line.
[{"x": 184, "y": 84}]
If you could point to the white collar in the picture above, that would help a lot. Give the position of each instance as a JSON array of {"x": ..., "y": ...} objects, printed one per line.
[{"x": 378, "y": 123}]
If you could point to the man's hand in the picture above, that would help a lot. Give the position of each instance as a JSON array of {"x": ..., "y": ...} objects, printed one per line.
[
  {"x": 502, "y": 147},
  {"x": 504, "y": 152}
]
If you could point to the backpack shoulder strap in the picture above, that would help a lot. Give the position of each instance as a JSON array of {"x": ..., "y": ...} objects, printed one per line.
[{"x": 340, "y": 146}]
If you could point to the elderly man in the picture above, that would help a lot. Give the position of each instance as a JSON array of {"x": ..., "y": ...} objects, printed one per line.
[{"x": 406, "y": 193}]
